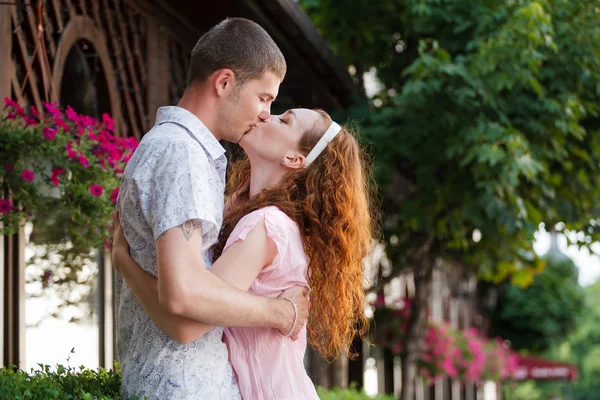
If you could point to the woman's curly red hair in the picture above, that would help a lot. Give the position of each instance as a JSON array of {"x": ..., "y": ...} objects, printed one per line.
[{"x": 330, "y": 202}]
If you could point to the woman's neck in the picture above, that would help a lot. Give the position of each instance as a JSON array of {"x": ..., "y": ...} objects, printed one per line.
[{"x": 263, "y": 176}]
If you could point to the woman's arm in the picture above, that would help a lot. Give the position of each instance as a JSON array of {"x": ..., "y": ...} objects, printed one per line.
[{"x": 239, "y": 265}]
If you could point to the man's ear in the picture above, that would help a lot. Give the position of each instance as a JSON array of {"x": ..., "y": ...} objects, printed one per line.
[{"x": 223, "y": 82}]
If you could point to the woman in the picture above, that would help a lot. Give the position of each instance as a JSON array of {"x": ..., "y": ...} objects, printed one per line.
[{"x": 300, "y": 217}]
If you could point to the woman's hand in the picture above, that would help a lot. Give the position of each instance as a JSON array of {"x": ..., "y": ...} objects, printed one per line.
[
  {"x": 235, "y": 199},
  {"x": 118, "y": 242}
]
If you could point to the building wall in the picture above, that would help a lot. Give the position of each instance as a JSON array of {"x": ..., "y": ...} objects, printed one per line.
[{"x": 140, "y": 60}]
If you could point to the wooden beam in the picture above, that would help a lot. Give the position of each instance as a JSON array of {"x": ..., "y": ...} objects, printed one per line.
[
  {"x": 130, "y": 62},
  {"x": 32, "y": 79},
  {"x": 84, "y": 9},
  {"x": 108, "y": 326},
  {"x": 121, "y": 70},
  {"x": 71, "y": 8},
  {"x": 176, "y": 21},
  {"x": 5, "y": 51},
  {"x": 14, "y": 306},
  {"x": 49, "y": 32},
  {"x": 158, "y": 69},
  {"x": 44, "y": 74},
  {"x": 139, "y": 56},
  {"x": 57, "y": 8}
]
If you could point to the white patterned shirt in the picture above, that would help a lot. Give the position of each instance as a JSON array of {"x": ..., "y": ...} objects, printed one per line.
[{"x": 176, "y": 174}]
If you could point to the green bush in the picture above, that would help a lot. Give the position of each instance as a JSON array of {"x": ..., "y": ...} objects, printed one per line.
[
  {"x": 349, "y": 394},
  {"x": 64, "y": 383},
  {"x": 67, "y": 383}
]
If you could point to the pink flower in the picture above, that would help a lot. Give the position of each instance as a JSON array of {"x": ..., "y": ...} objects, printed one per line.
[
  {"x": 30, "y": 121},
  {"x": 86, "y": 121},
  {"x": 71, "y": 114},
  {"x": 83, "y": 160},
  {"x": 34, "y": 112},
  {"x": 96, "y": 190},
  {"x": 108, "y": 122},
  {"x": 5, "y": 206},
  {"x": 115, "y": 195},
  {"x": 72, "y": 154},
  {"x": 114, "y": 156},
  {"x": 49, "y": 133},
  {"x": 55, "y": 173},
  {"x": 27, "y": 175},
  {"x": 9, "y": 102},
  {"x": 46, "y": 278},
  {"x": 61, "y": 123},
  {"x": 132, "y": 144},
  {"x": 107, "y": 244},
  {"x": 10, "y": 115},
  {"x": 380, "y": 299},
  {"x": 53, "y": 109},
  {"x": 9, "y": 166},
  {"x": 448, "y": 366}
]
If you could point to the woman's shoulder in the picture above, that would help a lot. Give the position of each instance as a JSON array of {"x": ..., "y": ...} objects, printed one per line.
[
  {"x": 278, "y": 226},
  {"x": 272, "y": 214}
]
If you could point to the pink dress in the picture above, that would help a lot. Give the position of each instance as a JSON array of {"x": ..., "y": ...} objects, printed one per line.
[{"x": 269, "y": 366}]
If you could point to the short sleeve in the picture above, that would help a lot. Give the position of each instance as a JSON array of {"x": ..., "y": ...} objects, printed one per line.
[
  {"x": 173, "y": 187},
  {"x": 277, "y": 225}
]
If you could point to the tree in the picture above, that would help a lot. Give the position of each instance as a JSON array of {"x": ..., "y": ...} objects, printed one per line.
[
  {"x": 486, "y": 122},
  {"x": 544, "y": 313},
  {"x": 582, "y": 347}
]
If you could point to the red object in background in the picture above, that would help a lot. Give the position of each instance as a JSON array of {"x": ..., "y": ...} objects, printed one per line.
[{"x": 538, "y": 369}]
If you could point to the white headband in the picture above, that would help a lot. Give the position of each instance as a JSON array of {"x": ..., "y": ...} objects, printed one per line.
[{"x": 327, "y": 137}]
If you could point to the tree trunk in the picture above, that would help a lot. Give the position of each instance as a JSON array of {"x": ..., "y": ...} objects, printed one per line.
[
  {"x": 356, "y": 366},
  {"x": 388, "y": 371},
  {"x": 339, "y": 372},
  {"x": 417, "y": 327},
  {"x": 328, "y": 375}
]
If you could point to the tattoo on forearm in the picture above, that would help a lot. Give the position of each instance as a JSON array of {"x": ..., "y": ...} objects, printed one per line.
[{"x": 188, "y": 228}]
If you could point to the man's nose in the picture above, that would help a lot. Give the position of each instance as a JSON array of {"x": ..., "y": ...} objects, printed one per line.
[{"x": 264, "y": 115}]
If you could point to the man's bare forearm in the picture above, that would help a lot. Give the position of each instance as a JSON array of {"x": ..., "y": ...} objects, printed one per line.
[
  {"x": 187, "y": 288},
  {"x": 207, "y": 298}
]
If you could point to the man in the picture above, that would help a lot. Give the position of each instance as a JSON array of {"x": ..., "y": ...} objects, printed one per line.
[{"x": 171, "y": 206}]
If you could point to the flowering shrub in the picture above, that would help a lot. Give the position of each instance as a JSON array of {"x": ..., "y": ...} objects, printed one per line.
[
  {"x": 501, "y": 363},
  {"x": 464, "y": 355},
  {"x": 54, "y": 159},
  {"x": 470, "y": 355},
  {"x": 437, "y": 355}
]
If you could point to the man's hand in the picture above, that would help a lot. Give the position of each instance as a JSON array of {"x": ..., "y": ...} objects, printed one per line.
[{"x": 299, "y": 295}]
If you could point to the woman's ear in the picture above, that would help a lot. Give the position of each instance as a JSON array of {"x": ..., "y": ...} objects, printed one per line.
[{"x": 293, "y": 160}]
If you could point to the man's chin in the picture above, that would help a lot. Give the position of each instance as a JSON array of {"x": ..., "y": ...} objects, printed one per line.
[{"x": 244, "y": 135}]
